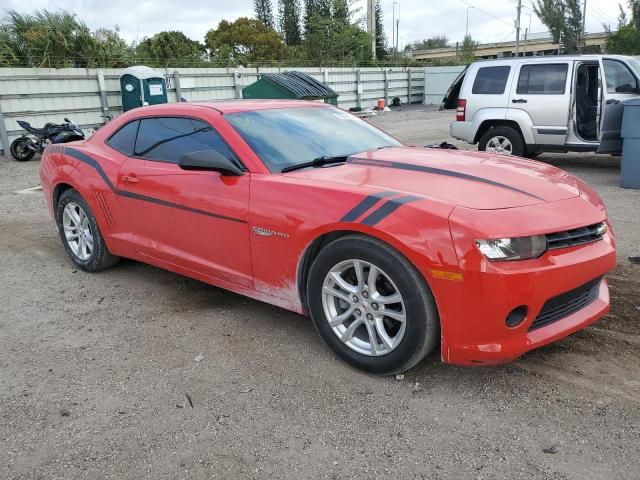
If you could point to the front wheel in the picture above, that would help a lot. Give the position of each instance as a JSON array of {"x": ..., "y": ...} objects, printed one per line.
[
  {"x": 20, "y": 150},
  {"x": 503, "y": 141},
  {"x": 371, "y": 305}
]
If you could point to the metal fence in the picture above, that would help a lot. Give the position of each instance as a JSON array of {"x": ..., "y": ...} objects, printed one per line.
[{"x": 91, "y": 97}]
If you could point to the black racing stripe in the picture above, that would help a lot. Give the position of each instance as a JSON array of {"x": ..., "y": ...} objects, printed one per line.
[
  {"x": 364, "y": 205},
  {"x": 437, "y": 171},
  {"x": 124, "y": 193},
  {"x": 92, "y": 162},
  {"x": 387, "y": 209},
  {"x": 144, "y": 198}
]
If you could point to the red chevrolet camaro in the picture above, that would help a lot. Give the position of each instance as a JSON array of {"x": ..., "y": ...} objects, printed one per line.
[{"x": 390, "y": 249}]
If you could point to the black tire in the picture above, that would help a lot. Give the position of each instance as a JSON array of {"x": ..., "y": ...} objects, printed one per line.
[
  {"x": 517, "y": 142},
  {"x": 100, "y": 257},
  {"x": 422, "y": 321},
  {"x": 20, "y": 153}
]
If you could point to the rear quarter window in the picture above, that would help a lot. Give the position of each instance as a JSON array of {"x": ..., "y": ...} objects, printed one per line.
[
  {"x": 542, "y": 79},
  {"x": 491, "y": 80},
  {"x": 124, "y": 140}
]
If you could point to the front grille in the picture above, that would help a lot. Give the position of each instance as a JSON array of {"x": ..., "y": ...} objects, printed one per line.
[
  {"x": 567, "y": 303},
  {"x": 577, "y": 236}
]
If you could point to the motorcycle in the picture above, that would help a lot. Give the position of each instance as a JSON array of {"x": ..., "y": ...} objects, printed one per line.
[{"x": 26, "y": 146}]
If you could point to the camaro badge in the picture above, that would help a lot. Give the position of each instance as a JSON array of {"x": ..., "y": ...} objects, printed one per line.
[{"x": 265, "y": 232}]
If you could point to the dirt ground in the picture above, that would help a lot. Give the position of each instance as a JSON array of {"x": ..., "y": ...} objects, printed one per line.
[{"x": 99, "y": 378}]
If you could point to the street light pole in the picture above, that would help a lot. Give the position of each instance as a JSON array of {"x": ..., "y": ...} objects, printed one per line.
[
  {"x": 393, "y": 29},
  {"x": 584, "y": 21}
]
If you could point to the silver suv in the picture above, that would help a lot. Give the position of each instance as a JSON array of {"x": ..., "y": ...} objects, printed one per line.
[{"x": 528, "y": 105}]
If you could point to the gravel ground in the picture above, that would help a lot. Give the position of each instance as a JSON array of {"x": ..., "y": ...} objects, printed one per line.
[{"x": 139, "y": 373}]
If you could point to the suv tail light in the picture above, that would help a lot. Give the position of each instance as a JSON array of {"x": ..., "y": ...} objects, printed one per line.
[{"x": 461, "y": 110}]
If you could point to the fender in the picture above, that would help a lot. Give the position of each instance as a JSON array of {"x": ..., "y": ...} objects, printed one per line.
[
  {"x": 520, "y": 117},
  {"x": 59, "y": 168}
]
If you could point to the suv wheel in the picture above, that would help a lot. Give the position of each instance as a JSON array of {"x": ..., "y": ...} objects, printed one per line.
[
  {"x": 503, "y": 141},
  {"x": 371, "y": 305}
]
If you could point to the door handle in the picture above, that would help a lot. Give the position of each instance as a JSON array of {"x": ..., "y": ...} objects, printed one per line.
[
  {"x": 612, "y": 101},
  {"x": 518, "y": 100},
  {"x": 131, "y": 178}
]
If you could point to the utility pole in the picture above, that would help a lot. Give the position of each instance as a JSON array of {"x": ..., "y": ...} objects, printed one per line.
[
  {"x": 524, "y": 47},
  {"x": 393, "y": 29},
  {"x": 518, "y": 28},
  {"x": 371, "y": 25},
  {"x": 398, "y": 34},
  {"x": 584, "y": 21}
]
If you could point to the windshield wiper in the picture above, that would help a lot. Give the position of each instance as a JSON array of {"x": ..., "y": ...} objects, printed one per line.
[{"x": 316, "y": 163}]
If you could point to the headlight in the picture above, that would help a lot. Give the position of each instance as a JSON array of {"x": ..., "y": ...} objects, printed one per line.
[{"x": 507, "y": 249}]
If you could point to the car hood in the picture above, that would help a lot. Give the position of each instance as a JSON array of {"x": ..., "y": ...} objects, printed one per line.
[{"x": 470, "y": 179}]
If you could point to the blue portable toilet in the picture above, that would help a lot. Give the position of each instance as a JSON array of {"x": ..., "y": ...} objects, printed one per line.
[{"x": 140, "y": 85}]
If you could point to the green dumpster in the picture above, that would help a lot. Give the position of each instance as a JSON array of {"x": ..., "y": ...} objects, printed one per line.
[
  {"x": 290, "y": 85},
  {"x": 140, "y": 85}
]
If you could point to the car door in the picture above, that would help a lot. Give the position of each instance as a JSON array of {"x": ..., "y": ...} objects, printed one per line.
[
  {"x": 620, "y": 84},
  {"x": 193, "y": 219},
  {"x": 542, "y": 91}
]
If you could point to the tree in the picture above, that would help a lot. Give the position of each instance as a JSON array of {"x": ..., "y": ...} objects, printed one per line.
[
  {"x": 315, "y": 8},
  {"x": 264, "y": 12},
  {"x": 468, "y": 49},
  {"x": 634, "y": 6},
  {"x": 289, "y": 16},
  {"x": 340, "y": 11},
  {"x": 170, "y": 48},
  {"x": 563, "y": 18},
  {"x": 44, "y": 39},
  {"x": 105, "y": 48},
  {"x": 331, "y": 38},
  {"x": 244, "y": 40},
  {"x": 381, "y": 37},
  {"x": 626, "y": 41},
  {"x": 437, "y": 41}
]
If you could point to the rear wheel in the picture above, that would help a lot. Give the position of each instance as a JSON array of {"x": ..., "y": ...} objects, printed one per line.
[
  {"x": 371, "y": 305},
  {"x": 503, "y": 141},
  {"x": 80, "y": 234},
  {"x": 20, "y": 150}
]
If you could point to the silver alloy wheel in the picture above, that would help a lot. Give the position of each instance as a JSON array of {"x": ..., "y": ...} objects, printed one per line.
[
  {"x": 500, "y": 145},
  {"x": 364, "y": 307},
  {"x": 77, "y": 231}
]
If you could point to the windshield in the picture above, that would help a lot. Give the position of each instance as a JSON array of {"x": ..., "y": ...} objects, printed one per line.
[{"x": 290, "y": 136}]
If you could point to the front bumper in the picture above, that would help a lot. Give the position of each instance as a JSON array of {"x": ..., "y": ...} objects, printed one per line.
[{"x": 474, "y": 311}]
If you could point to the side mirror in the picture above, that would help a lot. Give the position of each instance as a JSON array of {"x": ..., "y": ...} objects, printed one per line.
[{"x": 210, "y": 160}]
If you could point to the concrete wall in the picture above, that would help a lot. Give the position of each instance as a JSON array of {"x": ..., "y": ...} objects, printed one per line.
[{"x": 40, "y": 95}]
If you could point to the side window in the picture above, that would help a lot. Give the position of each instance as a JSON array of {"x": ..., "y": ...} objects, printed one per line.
[
  {"x": 619, "y": 78},
  {"x": 167, "y": 139},
  {"x": 542, "y": 79},
  {"x": 490, "y": 80},
  {"x": 124, "y": 140}
]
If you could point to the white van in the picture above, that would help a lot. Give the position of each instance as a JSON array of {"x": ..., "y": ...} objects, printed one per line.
[{"x": 528, "y": 105}]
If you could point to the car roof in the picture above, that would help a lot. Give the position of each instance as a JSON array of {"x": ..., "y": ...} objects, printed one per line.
[
  {"x": 234, "y": 106},
  {"x": 223, "y": 106},
  {"x": 549, "y": 58}
]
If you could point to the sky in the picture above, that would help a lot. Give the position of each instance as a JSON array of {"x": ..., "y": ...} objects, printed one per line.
[{"x": 489, "y": 20}]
